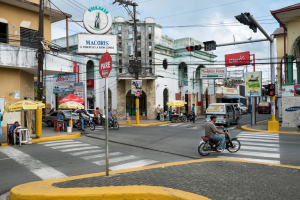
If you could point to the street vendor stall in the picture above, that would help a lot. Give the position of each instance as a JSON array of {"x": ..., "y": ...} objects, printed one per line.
[{"x": 176, "y": 117}]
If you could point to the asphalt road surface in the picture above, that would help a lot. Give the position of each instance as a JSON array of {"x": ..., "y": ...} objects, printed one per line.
[{"x": 133, "y": 147}]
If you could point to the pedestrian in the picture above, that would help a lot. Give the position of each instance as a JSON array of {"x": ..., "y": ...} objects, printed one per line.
[
  {"x": 193, "y": 110},
  {"x": 1, "y": 118},
  {"x": 158, "y": 111}
]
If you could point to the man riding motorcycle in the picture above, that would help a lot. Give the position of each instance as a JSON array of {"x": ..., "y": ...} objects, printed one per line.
[{"x": 211, "y": 130}]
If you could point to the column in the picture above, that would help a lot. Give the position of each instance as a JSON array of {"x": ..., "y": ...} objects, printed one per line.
[{"x": 290, "y": 59}]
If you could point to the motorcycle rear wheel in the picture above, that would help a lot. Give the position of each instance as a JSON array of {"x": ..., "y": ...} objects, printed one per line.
[
  {"x": 116, "y": 126},
  {"x": 78, "y": 125},
  {"x": 184, "y": 119},
  {"x": 236, "y": 146},
  {"x": 201, "y": 151}
]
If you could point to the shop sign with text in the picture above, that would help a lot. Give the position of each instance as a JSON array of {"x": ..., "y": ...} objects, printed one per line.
[
  {"x": 213, "y": 73},
  {"x": 97, "y": 44},
  {"x": 237, "y": 59}
]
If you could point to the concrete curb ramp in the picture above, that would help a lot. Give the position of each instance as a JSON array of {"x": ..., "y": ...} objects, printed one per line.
[
  {"x": 244, "y": 128},
  {"x": 143, "y": 125},
  {"x": 43, "y": 190},
  {"x": 45, "y": 139}
]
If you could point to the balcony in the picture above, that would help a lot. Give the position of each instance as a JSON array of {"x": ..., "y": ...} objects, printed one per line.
[{"x": 24, "y": 58}]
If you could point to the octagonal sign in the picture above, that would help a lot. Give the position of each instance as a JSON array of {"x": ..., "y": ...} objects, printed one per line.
[{"x": 105, "y": 65}]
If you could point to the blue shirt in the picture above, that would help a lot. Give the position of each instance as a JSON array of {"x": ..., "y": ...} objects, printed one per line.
[
  {"x": 12, "y": 128},
  {"x": 193, "y": 109},
  {"x": 59, "y": 116},
  {"x": 0, "y": 119},
  {"x": 109, "y": 113}
]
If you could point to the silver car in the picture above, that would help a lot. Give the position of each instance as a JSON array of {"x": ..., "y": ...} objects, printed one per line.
[
  {"x": 49, "y": 119},
  {"x": 243, "y": 108}
]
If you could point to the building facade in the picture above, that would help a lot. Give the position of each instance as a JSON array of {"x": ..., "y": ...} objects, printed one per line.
[{"x": 180, "y": 80}]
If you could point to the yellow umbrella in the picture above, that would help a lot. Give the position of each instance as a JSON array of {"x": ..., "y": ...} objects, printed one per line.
[
  {"x": 176, "y": 103},
  {"x": 24, "y": 105},
  {"x": 71, "y": 105}
]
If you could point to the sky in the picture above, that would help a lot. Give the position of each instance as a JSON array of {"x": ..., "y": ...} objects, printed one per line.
[{"x": 214, "y": 20}]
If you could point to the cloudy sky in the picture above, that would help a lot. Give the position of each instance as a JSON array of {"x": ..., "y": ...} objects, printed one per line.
[{"x": 214, "y": 20}]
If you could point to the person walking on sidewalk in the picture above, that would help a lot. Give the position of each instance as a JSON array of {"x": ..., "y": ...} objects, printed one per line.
[
  {"x": 1, "y": 118},
  {"x": 193, "y": 110},
  {"x": 211, "y": 130}
]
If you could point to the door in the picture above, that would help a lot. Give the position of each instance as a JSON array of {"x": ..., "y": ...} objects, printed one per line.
[{"x": 229, "y": 113}]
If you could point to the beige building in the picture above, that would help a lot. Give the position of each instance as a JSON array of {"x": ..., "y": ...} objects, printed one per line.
[{"x": 18, "y": 63}]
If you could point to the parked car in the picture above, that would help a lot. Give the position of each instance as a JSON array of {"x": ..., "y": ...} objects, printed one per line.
[
  {"x": 264, "y": 107},
  {"x": 49, "y": 119},
  {"x": 226, "y": 113},
  {"x": 243, "y": 108},
  {"x": 90, "y": 112}
]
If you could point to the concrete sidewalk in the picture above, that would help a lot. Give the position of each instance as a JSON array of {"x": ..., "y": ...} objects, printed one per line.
[
  {"x": 214, "y": 178},
  {"x": 149, "y": 122},
  {"x": 48, "y": 134},
  {"x": 262, "y": 126}
]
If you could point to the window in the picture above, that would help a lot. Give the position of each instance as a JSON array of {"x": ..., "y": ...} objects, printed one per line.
[
  {"x": 120, "y": 62},
  {"x": 54, "y": 114},
  {"x": 150, "y": 62},
  {"x": 130, "y": 36},
  {"x": 139, "y": 54},
  {"x": 3, "y": 33},
  {"x": 120, "y": 27},
  {"x": 149, "y": 36},
  {"x": 229, "y": 109},
  {"x": 149, "y": 28},
  {"x": 120, "y": 70},
  {"x": 139, "y": 28},
  {"x": 29, "y": 37},
  {"x": 130, "y": 28},
  {"x": 150, "y": 53}
]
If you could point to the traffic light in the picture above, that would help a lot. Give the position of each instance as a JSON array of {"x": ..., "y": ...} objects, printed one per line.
[
  {"x": 210, "y": 45},
  {"x": 271, "y": 90},
  {"x": 198, "y": 47},
  {"x": 243, "y": 19},
  {"x": 165, "y": 64},
  {"x": 190, "y": 48}
]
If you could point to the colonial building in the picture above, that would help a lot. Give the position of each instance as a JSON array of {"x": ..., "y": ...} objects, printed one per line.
[
  {"x": 180, "y": 80},
  {"x": 18, "y": 45}
]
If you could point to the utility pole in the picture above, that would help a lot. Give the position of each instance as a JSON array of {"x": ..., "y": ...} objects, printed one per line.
[
  {"x": 136, "y": 63},
  {"x": 40, "y": 85}
]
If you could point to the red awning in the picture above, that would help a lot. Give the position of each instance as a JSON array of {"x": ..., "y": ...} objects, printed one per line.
[{"x": 71, "y": 97}]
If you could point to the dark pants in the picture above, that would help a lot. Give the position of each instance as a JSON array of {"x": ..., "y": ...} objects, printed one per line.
[{"x": 193, "y": 118}]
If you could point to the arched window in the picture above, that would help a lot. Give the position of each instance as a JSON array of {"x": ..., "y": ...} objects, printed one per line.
[
  {"x": 131, "y": 106},
  {"x": 166, "y": 98}
]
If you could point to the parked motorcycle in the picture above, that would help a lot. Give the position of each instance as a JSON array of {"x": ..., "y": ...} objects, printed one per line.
[
  {"x": 207, "y": 146},
  {"x": 89, "y": 123},
  {"x": 114, "y": 125},
  {"x": 189, "y": 116}
]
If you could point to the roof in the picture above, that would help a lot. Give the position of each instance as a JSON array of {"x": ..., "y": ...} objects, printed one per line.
[
  {"x": 287, "y": 14},
  {"x": 28, "y": 5},
  {"x": 278, "y": 32}
]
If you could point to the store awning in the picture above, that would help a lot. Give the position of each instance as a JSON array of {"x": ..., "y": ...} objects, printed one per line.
[{"x": 233, "y": 97}]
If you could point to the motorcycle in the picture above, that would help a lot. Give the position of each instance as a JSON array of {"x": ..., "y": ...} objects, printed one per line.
[
  {"x": 95, "y": 120},
  {"x": 207, "y": 146},
  {"x": 114, "y": 125},
  {"x": 189, "y": 116},
  {"x": 90, "y": 123}
]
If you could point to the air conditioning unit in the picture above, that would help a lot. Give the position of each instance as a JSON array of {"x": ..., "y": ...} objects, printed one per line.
[{"x": 180, "y": 83}]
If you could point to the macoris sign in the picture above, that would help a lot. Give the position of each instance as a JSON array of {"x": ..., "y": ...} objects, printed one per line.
[{"x": 237, "y": 59}]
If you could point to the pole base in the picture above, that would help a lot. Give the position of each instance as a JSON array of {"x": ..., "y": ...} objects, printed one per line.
[{"x": 273, "y": 126}]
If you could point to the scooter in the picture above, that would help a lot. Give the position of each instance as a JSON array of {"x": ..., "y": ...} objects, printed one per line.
[
  {"x": 89, "y": 123},
  {"x": 114, "y": 125},
  {"x": 207, "y": 146}
]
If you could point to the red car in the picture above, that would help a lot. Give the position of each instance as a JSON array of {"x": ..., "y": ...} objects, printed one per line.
[{"x": 264, "y": 107}]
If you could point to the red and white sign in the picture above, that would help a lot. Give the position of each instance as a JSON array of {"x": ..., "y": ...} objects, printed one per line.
[
  {"x": 90, "y": 83},
  {"x": 237, "y": 59},
  {"x": 105, "y": 65}
]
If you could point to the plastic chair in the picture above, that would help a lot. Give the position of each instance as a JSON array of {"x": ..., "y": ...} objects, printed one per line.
[{"x": 58, "y": 126}]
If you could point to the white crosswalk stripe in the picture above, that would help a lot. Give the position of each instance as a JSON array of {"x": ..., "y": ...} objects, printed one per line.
[
  {"x": 96, "y": 154},
  {"x": 177, "y": 124},
  {"x": 256, "y": 146}
]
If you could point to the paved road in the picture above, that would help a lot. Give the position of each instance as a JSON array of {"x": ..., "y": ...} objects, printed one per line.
[{"x": 133, "y": 147}]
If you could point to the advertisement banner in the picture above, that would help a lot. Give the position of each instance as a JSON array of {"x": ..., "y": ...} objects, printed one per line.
[
  {"x": 78, "y": 90},
  {"x": 213, "y": 73},
  {"x": 237, "y": 59},
  {"x": 136, "y": 87},
  {"x": 97, "y": 44},
  {"x": 90, "y": 83},
  {"x": 253, "y": 82},
  {"x": 63, "y": 83}
]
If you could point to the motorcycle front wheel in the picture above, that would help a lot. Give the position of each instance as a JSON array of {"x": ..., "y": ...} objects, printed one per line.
[
  {"x": 78, "y": 125},
  {"x": 236, "y": 146},
  {"x": 201, "y": 150},
  {"x": 116, "y": 126},
  {"x": 92, "y": 126},
  {"x": 184, "y": 119}
]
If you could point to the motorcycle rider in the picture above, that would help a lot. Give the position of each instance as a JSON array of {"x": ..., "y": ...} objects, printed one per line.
[
  {"x": 211, "y": 130},
  {"x": 110, "y": 114},
  {"x": 83, "y": 117},
  {"x": 96, "y": 115}
]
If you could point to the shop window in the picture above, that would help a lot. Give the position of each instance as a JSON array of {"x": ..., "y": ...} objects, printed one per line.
[
  {"x": 3, "y": 33},
  {"x": 29, "y": 38}
]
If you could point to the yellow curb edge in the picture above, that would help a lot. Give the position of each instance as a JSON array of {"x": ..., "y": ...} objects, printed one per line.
[
  {"x": 142, "y": 125},
  {"x": 244, "y": 128},
  {"x": 44, "y": 189},
  {"x": 50, "y": 138}
]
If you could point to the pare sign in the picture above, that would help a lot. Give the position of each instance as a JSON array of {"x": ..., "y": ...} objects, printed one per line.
[{"x": 105, "y": 65}]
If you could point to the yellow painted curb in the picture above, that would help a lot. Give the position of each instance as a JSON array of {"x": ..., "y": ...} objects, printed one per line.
[
  {"x": 45, "y": 139},
  {"x": 43, "y": 190},
  {"x": 142, "y": 125},
  {"x": 244, "y": 128}
]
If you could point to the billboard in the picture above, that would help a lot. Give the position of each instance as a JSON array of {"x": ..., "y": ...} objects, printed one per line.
[
  {"x": 237, "y": 59},
  {"x": 213, "y": 73},
  {"x": 97, "y": 44},
  {"x": 63, "y": 83},
  {"x": 136, "y": 87},
  {"x": 253, "y": 82},
  {"x": 78, "y": 90}
]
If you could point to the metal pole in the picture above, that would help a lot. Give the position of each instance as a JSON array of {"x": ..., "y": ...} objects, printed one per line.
[
  {"x": 67, "y": 33},
  {"x": 251, "y": 106},
  {"x": 271, "y": 63},
  {"x": 255, "y": 98},
  {"x": 40, "y": 84},
  {"x": 106, "y": 125},
  {"x": 135, "y": 44}
]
